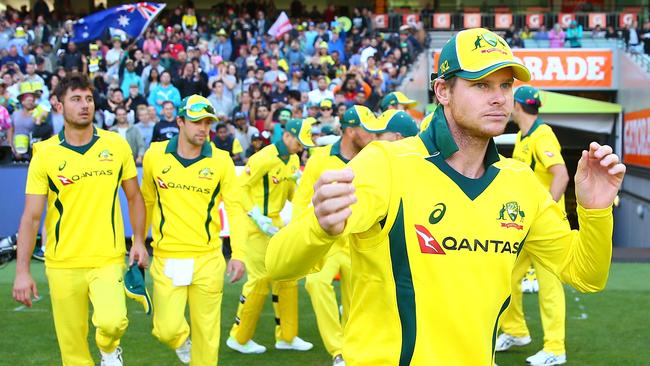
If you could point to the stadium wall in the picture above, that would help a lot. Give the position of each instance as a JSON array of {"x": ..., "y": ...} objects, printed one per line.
[{"x": 632, "y": 217}]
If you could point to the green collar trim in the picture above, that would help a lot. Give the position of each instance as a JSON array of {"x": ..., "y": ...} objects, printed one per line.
[
  {"x": 438, "y": 138},
  {"x": 283, "y": 151},
  {"x": 79, "y": 149},
  {"x": 172, "y": 148},
  {"x": 336, "y": 151},
  {"x": 538, "y": 122}
]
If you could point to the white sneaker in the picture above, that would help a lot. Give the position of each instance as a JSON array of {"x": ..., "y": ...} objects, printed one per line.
[
  {"x": 296, "y": 344},
  {"x": 505, "y": 341},
  {"x": 535, "y": 286},
  {"x": 338, "y": 361},
  {"x": 526, "y": 286},
  {"x": 112, "y": 359},
  {"x": 184, "y": 352},
  {"x": 543, "y": 358},
  {"x": 248, "y": 348}
]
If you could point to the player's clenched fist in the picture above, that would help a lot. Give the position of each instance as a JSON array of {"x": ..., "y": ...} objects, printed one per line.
[{"x": 333, "y": 196}]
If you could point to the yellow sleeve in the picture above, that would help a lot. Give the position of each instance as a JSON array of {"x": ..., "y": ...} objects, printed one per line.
[
  {"x": 37, "y": 180},
  {"x": 230, "y": 195},
  {"x": 305, "y": 191},
  {"x": 128, "y": 164},
  {"x": 548, "y": 151},
  {"x": 148, "y": 187},
  {"x": 236, "y": 147},
  {"x": 580, "y": 258},
  {"x": 285, "y": 260},
  {"x": 258, "y": 165}
]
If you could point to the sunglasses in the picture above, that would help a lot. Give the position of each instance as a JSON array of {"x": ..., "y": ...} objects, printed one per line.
[
  {"x": 200, "y": 107},
  {"x": 326, "y": 109}
]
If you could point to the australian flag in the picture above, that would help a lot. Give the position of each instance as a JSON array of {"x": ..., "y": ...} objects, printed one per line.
[{"x": 132, "y": 19}]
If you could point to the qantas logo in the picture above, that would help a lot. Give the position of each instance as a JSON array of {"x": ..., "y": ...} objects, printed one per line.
[
  {"x": 65, "y": 181},
  {"x": 428, "y": 244},
  {"x": 161, "y": 183}
]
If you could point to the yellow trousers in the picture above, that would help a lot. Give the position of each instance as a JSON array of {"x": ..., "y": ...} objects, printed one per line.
[
  {"x": 204, "y": 296},
  {"x": 256, "y": 290},
  {"x": 323, "y": 299},
  {"x": 551, "y": 305},
  {"x": 70, "y": 290}
]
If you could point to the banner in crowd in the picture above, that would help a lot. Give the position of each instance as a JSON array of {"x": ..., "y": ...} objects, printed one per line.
[
  {"x": 534, "y": 21},
  {"x": 131, "y": 19},
  {"x": 281, "y": 26},
  {"x": 636, "y": 138},
  {"x": 502, "y": 20},
  {"x": 597, "y": 19},
  {"x": 566, "y": 68}
]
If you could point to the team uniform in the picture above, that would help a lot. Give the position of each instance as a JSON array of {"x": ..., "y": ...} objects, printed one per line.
[
  {"x": 540, "y": 150},
  {"x": 85, "y": 249},
  {"x": 182, "y": 199},
  {"x": 319, "y": 284},
  {"x": 432, "y": 261},
  {"x": 267, "y": 182}
]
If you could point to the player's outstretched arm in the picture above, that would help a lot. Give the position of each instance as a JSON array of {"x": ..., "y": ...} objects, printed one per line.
[{"x": 24, "y": 285}]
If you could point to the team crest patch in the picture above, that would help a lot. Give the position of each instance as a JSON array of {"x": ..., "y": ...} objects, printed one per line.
[
  {"x": 105, "y": 155},
  {"x": 488, "y": 43},
  {"x": 510, "y": 214},
  {"x": 206, "y": 173}
]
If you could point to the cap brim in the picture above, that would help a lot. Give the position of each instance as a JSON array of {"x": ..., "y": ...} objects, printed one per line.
[
  {"x": 195, "y": 117},
  {"x": 304, "y": 135},
  {"x": 519, "y": 71}
]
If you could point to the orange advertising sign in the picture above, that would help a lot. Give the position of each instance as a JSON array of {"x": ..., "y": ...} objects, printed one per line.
[
  {"x": 502, "y": 20},
  {"x": 534, "y": 21},
  {"x": 565, "y": 68},
  {"x": 597, "y": 19},
  {"x": 472, "y": 20},
  {"x": 636, "y": 138},
  {"x": 441, "y": 20},
  {"x": 380, "y": 21}
]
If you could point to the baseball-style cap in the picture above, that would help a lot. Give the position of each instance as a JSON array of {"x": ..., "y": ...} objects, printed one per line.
[
  {"x": 282, "y": 76},
  {"x": 395, "y": 121},
  {"x": 526, "y": 94},
  {"x": 25, "y": 88},
  {"x": 323, "y": 44},
  {"x": 326, "y": 103},
  {"x": 93, "y": 47},
  {"x": 195, "y": 108},
  {"x": 474, "y": 53},
  {"x": 358, "y": 116},
  {"x": 301, "y": 129},
  {"x": 395, "y": 98},
  {"x": 284, "y": 114},
  {"x": 135, "y": 288}
]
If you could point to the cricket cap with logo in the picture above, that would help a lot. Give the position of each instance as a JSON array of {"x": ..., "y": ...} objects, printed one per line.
[
  {"x": 301, "y": 129},
  {"x": 358, "y": 116},
  {"x": 396, "y": 98},
  {"x": 397, "y": 121},
  {"x": 135, "y": 288},
  {"x": 475, "y": 53},
  {"x": 196, "y": 107},
  {"x": 528, "y": 95}
]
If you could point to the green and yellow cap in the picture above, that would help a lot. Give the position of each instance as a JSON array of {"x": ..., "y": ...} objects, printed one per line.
[
  {"x": 135, "y": 288},
  {"x": 475, "y": 53},
  {"x": 301, "y": 129},
  {"x": 396, "y": 98},
  {"x": 358, "y": 116},
  {"x": 195, "y": 108},
  {"x": 25, "y": 88},
  {"x": 394, "y": 120},
  {"x": 526, "y": 94}
]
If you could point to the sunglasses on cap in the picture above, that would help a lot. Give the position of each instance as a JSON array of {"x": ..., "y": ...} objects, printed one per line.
[{"x": 200, "y": 107}]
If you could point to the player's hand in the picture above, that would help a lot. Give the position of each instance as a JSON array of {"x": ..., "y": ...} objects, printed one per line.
[
  {"x": 235, "y": 270},
  {"x": 139, "y": 254},
  {"x": 598, "y": 177},
  {"x": 333, "y": 196},
  {"x": 24, "y": 287}
]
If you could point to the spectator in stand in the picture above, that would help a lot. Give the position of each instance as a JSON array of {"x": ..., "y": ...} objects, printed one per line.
[
  {"x": 129, "y": 77},
  {"x": 152, "y": 44},
  {"x": 114, "y": 57},
  {"x": 632, "y": 37},
  {"x": 256, "y": 145},
  {"x": 509, "y": 33},
  {"x": 5, "y": 123},
  {"x": 164, "y": 92},
  {"x": 598, "y": 32},
  {"x": 297, "y": 82},
  {"x": 224, "y": 46},
  {"x": 645, "y": 37},
  {"x": 167, "y": 127},
  {"x": 189, "y": 21},
  {"x": 145, "y": 124},
  {"x": 516, "y": 41},
  {"x": 244, "y": 131},
  {"x": 263, "y": 122},
  {"x": 130, "y": 133},
  {"x": 154, "y": 64},
  {"x": 190, "y": 82},
  {"x": 244, "y": 106},
  {"x": 574, "y": 35},
  {"x": 225, "y": 141},
  {"x": 55, "y": 117},
  {"x": 71, "y": 59},
  {"x": 611, "y": 33},
  {"x": 321, "y": 92},
  {"x": 354, "y": 85},
  {"x": 526, "y": 33},
  {"x": 556, "y": 36},
  {"x": 222, "y": 104},
  {"x": 22, "y": 124},
  {"x": 135, "y": 99}
]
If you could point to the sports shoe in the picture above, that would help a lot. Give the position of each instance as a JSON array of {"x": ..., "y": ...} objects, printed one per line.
[
  {"x": 505, "y": 341},
  {"x": 112, "y": 359},
  {"x": 543, "y": 358},
  {"x": 338, "y": 361},
  {"x": 247, "y": 348},
  {"x": 184, "y": 352},
  {"x": 38, "y": 254},
  {"x": 297, "y": 344},
  {"x": 529, "y": 284}
]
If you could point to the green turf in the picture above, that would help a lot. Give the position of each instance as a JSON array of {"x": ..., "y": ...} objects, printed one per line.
[{"x": 615, "y": 332}]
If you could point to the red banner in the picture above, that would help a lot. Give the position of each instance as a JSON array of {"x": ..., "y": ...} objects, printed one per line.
[
  {"x": 441, "y": 21},
  {"x": 565, "y": 19},
  {"x": 472, "y": 20},
  {"x": 636, "y": 138},
  {"x": 534, "y": 21},
  {"x": 597, "y": 19},
  {"x": 502, "y": 21},
  {"x": 380, "y": 21},
  {"x": 410, "y": 19},
  {"x": 626, "y": 18}
]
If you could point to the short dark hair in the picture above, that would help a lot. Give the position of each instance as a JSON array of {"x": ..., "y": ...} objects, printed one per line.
[
  {"x": 220, "y": 126},
  {"x": 532, "y": 109},
  {"x": 168, "y": 102},
  {"x": 120, "y": 107},
  {"x": 72, "y": 81}
]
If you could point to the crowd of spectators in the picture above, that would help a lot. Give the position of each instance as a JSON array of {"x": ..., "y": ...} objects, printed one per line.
[{"x": 255, "y": 82}]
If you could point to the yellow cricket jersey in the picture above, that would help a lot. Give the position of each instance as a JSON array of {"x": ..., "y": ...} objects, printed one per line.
[
  {"x": 433, "y": 251},
  {"x": 323, "y": 158},
  {"x": 540, "y": 150},
  {"x": 84, "y": 221},
  {"x": 182, "y": 198},
  {"x": 267, "y": 180}
]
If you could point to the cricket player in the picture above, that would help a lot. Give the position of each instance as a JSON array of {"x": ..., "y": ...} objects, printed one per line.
[
  {"x": 78, "y": 173},
  {"x": 396, "y": 100},
  {"x": 537, "y": 147},
  {"x": 319, "y": 284},
  {"x": 184, "y": 180},
  {"x": 268, "y": 182},
  {"x": 431, "y": 258},
  {"x": 394, "y": 125}
]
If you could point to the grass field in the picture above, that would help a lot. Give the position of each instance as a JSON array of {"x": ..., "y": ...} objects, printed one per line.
[{"x": 610, "y": 328}]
